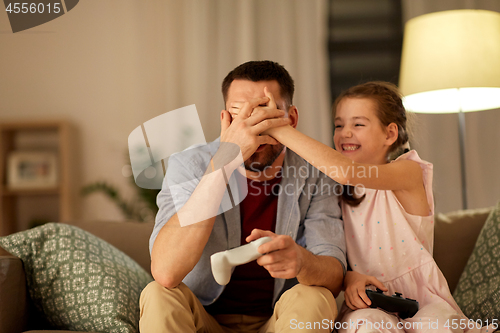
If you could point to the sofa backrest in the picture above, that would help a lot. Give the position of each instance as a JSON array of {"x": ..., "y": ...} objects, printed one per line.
[
  {"x": 130, "y": 237},
  {"x": 455, "y": 236}
]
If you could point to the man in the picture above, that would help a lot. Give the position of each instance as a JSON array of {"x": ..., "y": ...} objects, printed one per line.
[{"x": 291, "y": 286}]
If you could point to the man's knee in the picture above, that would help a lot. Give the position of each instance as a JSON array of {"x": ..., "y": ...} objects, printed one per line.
[
  {"x": 319, "y": 294},
  {"x": 155, "y": 293},
  {"x": 312, "y": 296},
  {"x": 168, "y": 310},
  {"x": 152, "y": 287}
]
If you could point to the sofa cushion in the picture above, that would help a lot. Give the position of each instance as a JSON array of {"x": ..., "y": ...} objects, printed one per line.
[
  {"x": 78, "y": 281},
  {"x": 478, "y": 290}
]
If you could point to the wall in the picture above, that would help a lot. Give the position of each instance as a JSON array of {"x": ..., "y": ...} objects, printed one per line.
[{"x": 89, "y": 67}]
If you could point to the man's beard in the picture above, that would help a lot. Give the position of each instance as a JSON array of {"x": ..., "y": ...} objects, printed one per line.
[{"x": 261, "y": 160}]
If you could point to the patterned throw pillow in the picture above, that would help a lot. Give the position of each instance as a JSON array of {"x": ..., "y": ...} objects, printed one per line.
[
  {"x": 478, "y": 290},
  {"x": 78, "y": 281}
]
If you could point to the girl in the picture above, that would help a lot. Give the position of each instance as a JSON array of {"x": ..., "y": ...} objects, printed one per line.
[{"x": 388, "y": 215}]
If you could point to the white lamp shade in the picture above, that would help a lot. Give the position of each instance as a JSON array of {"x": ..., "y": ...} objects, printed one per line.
[{"x": 451, "y": 62}]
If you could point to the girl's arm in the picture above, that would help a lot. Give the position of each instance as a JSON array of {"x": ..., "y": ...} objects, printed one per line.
[{"x": 399, "y": 175}]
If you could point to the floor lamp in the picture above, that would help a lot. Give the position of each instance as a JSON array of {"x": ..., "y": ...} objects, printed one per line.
[{"x": 451, "y": 64}]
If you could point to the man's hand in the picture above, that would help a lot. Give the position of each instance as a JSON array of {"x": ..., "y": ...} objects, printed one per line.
[
  {"x": 355, "y": 289},
  {"x": 245, "y": 129},
  {"x": 282, "y": 255},
  {"x": 286, "y": 259}
]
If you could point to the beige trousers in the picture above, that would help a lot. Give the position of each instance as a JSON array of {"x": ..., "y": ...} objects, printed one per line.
[{"x": 300, "y": 309}]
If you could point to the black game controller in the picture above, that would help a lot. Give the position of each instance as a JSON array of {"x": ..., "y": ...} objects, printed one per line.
[{"x": 405, "y": 307}]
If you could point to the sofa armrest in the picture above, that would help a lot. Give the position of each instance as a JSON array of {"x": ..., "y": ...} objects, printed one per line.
[{"x": 13, "y": 297}]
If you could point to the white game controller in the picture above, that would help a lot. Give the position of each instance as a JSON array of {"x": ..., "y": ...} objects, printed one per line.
[{"x": 223, "y": 262}]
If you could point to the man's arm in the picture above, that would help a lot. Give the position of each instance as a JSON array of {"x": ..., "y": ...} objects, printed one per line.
[
  {"x": 325, "y": 259},
  {"x": 321, "y": 271},
  {"x": 177, "y": 248}
]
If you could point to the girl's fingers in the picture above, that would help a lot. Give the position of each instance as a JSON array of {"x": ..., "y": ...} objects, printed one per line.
[
  {"x": 248, "y": 107},
  {"x": 364, "y": 297},
  {"x": 272, "y": 102},
  {"x": 349, "y": 304},
  {"x": 373, "y": 280},
  {"x": 270, "y": 123},
  {"x": 352, "y": 296},
  {"x": 225, "y": 120},
  {"x": 261, "y": 115},
  {"x": 356, "y": 301},
  {"x": 266, "y": 140}
]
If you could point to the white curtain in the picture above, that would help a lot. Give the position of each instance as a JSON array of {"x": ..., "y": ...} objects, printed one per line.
[
  {"x": 194, "y": 44},
  {"x": 207, "y": 39},
  {"x": 436, "y": 136}
]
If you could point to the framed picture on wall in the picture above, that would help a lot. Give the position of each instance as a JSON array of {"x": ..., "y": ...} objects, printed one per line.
[{"x": 32, "y": 170}]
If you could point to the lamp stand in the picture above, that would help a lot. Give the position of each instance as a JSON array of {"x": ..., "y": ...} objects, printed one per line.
[{"x": 461, "y": 140}]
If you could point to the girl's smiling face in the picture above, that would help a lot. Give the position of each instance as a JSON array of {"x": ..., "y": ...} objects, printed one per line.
[{"x": 359, "y": 134}]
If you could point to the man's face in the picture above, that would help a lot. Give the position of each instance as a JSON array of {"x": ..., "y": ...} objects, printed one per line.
[{"x": 241, "y": 91}]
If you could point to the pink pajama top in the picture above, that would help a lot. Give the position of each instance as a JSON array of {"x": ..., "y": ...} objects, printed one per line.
[{"x": 384, "y": 241}]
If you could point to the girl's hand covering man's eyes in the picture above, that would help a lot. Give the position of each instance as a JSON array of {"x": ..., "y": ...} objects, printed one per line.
[{"x": 246, "y": 130}]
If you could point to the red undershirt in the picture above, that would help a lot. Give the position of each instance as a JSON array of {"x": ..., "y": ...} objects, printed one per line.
[{"x": 251, "y": 288}]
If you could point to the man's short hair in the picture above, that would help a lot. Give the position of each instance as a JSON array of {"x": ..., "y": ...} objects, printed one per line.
[{"x": 264, "y": 70}]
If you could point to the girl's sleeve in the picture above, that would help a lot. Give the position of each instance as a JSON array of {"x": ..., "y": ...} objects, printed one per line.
[{"x": 426, "y": 173}]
